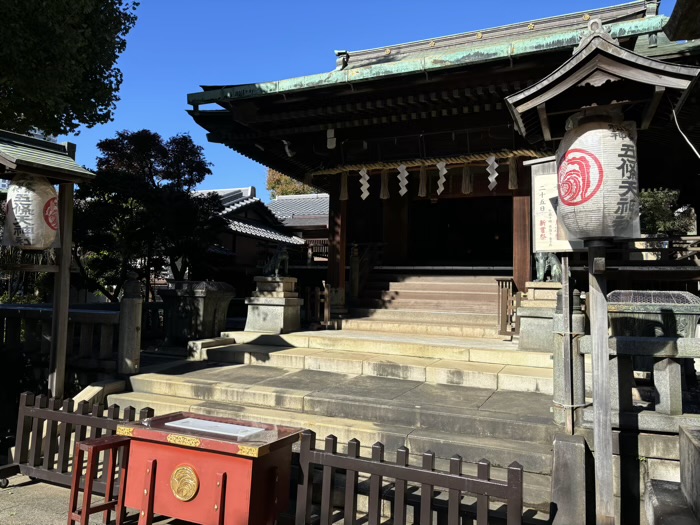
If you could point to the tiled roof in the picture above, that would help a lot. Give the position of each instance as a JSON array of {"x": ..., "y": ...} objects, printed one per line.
[
  {"x": 261, "y": 232},
  {"x": 23, "y": 153},
  {"x": 287, "y": 206}
]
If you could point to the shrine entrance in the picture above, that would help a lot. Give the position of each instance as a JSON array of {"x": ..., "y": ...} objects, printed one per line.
[{"x": 461, "y": 232}]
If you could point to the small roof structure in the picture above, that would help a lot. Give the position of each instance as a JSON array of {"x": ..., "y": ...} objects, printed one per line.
[
  {"x": 237, "y": 202},
  {"x": 301, "y": 211},
  {"x": 598, "y": 72},
  {"x": 21, "y": 153}
]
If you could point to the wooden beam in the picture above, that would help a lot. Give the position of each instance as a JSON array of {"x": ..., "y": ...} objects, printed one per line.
[
  {"x": 522, "y": 246},
  {"x": 61, "y": 292},
  {"x": 544, "y": 122},
  {"x": 652, "y": 106}
]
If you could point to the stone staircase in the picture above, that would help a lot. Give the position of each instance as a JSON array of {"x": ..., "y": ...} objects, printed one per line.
[
  {"x": 477, "y": 397},
  {"x": 450, "y": 305}
]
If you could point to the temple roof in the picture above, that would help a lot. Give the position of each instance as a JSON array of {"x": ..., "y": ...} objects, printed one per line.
[
  {"x": 511, "y": 41},
  {"x": 301, "y": 211},
  {"x": 434, "y": 99}
]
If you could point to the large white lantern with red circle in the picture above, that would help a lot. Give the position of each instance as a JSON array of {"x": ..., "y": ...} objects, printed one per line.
[
  {"x": 597, "y": 180},
  {"x": 31, "y": 213}
]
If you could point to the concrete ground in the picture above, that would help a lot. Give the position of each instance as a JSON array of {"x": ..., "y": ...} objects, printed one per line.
[{"x": 26, "y": 502}]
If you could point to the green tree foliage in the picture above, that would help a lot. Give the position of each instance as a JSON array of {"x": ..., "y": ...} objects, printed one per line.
[
  {"x": 141, "y": 213},
  {"x": 279, "y": 184},
  {"x": 57, "y": 62},
  {"x": 660, "y": 213}
]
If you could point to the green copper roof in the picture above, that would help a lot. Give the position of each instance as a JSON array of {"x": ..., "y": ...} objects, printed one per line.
[
  {"x": 33, "y": 155},
  {"x": 474, "y": 53}
]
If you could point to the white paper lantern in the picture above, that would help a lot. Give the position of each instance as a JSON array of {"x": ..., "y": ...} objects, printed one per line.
[
  {"x": 31, "y": 220},
  {"x": 598, "y": 182}
]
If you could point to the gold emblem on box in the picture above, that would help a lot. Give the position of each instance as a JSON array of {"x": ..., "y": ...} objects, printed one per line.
[
  {"x": 185, "y": 441},
  {"x": 125, "y": 431},
  {"x": 184, "y": 483}
]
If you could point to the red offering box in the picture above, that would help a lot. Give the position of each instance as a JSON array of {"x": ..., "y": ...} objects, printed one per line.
[{"x": 208, "y": 470}]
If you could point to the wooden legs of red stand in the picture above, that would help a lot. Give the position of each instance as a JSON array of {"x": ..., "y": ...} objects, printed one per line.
[
  {"x": 146, "y": 513},
  {"x": 92, "y": 447}
]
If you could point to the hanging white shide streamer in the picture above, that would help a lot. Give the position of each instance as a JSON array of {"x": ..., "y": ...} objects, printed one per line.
[
  {"x": 364, "y": 184},
  {"x": 513, "y": 173},
  {"x": 491, "y": 168},
  {"x": 384, "y": 193},
  {"x": 423, "y": 182},
  {"x": 467, "y": 180},
  {"x": 442, "y": 170},
  {"x": 403, "y": 180}
]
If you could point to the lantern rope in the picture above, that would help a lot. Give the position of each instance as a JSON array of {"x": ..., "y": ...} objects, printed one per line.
[
  {"x": 461, "y": 159},
  {"x": 683, "y": 134}
]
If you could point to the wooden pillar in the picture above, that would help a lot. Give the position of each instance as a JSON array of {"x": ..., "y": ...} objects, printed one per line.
[
  {"x": 61, "y": 292},
  {"x": 600, "y": 356},
  {"x": 522, "y": 242},
  {"x": 337, "y": 249}
]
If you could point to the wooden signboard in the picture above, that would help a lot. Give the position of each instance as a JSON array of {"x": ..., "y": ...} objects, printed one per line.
[{"x": 547, "y": 235}]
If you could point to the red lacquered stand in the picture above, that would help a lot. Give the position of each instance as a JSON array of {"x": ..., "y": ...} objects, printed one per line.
[{"x": 206, "y": 478}]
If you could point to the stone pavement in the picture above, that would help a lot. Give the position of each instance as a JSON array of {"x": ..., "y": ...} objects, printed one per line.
[{"x": 26, "y": 502}]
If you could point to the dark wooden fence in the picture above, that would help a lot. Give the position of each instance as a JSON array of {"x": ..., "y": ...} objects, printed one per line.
[
  {"x": 47, "y": 431},
  {"x": 405, "y": 479}
]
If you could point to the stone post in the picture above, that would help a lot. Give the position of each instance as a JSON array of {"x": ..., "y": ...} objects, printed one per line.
[{"x": 129, "y": 347}]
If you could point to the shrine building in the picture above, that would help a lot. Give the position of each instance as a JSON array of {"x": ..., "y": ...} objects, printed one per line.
[{"x": 423, "y": 147}]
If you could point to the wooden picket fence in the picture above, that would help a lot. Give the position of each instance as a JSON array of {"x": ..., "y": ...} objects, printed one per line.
[
  {"x": 405, "y": 478},
  {"x": 47, "y": 431}
]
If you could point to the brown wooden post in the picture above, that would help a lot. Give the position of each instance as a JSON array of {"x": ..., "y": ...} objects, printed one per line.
[
  {"x": 602, "y": 426},
  {"x": 522, "y": 245},
  {"x": 61, "y": 292},
  {"x": 337, "y": 225}
]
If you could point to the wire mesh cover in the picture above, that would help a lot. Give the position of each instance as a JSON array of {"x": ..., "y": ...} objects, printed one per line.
[{"x": 652, "y": 297}]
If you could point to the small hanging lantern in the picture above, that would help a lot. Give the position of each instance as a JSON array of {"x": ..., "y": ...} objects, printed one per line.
[
  {"x": 31, "y": 215},
  {"x": 597, "y": 179}
]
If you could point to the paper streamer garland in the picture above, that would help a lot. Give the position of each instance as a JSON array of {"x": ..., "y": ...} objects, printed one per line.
[
  {"x": 403, "y": 180},
  {"x": 364, "y": 184},
  {"x": 442, "y": 170},
  {"x": 423, "y": 182}
]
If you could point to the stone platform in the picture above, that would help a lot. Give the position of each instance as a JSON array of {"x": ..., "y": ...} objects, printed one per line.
[{"x": 275, "y": 306}]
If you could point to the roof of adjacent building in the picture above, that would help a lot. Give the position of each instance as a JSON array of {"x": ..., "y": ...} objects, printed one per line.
[
  {"x": 237, "y": 200},
  {"x": 260, "y": 231},
  {"x": 301, "y": 211},
  {"x": 21, "y": 153}
]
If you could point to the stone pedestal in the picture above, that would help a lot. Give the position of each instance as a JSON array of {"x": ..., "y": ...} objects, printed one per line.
[
  {"x": 274, "y": 307},
  {"x": 195, "y": 310},
  {"x": 536, "y": 312}
]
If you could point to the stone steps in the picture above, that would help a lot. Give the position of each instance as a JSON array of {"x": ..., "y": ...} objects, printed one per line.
[
  {"x": 419, "y": 286},
  {"x": 425, "y": 316},
  {"x": 440, "y": 296},
  {"x": 535, "y": 457},
  {"x": 496, "y": 376},
  {"x": 425, "y": 305},
  {"x": 436, "y": 347},
  {"x": 422, "y": 278},
  {"x": 423, "y": 327}
]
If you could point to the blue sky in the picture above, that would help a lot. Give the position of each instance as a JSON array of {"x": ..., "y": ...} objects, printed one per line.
[{"x": 177, "y": 45}]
